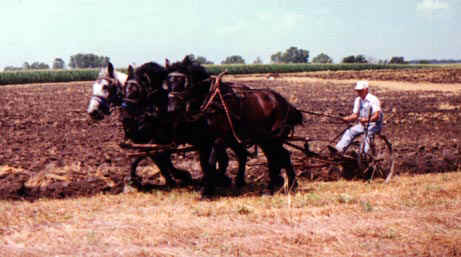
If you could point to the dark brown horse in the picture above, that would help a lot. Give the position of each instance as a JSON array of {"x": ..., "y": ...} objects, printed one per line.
[{"x": 238, "y": 116}]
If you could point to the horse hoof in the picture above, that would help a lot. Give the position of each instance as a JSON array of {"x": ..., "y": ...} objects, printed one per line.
[
  {"x": 171, "y": 183},
  {"x": 240, "y": 183},
  {"x": 223, "y": 181},
  {"x": 184, "y": 176},
  {"x": 208, "y": 193},
  {"x": 207, "y": 196},
  {"x": 268, "y": 192},
  {"x": 294, "y": 187}
]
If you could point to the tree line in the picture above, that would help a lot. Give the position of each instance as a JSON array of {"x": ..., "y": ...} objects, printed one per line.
[
  {"x": 291, "y": 55},
  {"x": 77, "y": 61}
]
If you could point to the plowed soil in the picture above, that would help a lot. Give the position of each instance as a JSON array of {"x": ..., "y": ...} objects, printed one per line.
[{"x": 50, "y": 147}]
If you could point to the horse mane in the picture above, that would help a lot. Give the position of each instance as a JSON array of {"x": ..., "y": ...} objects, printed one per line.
[
  {"x": 120, "y": 76},
  {"x": 195, "y": 71},
  {"x": 150, "y": 73}
]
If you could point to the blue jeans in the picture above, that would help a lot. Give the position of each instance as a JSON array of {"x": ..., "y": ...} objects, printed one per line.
[{"x": 356, "y": 131}]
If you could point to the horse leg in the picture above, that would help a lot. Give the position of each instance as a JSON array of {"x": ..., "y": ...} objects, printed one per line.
[
  {"x": 134, "y": 179},
  {"x": 223, "y": 162},
  {"x": 272, "y": 152},
  {"x": 241, "y": 153},
  {"x": 285, "y": 162},
  {"x": 163, "y": 162},
  {"x": 208, "y": 164},
  {"x": 167, "y": 169}
]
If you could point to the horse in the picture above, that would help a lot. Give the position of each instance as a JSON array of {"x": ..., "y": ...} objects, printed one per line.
[
  {"x": 145, "y": 118},
  {"x": 108, "y": 91},
  {"x": 176, "y": 82},
  {"x": 241, "y": 117}
]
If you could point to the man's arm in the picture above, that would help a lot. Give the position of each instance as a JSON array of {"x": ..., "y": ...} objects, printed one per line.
[
  {"x": 351, "y": 117},
  {"x": 374, "y": 117}
]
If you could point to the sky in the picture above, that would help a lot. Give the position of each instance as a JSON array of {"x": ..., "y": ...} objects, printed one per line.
[{"x": 139, "y": 31}]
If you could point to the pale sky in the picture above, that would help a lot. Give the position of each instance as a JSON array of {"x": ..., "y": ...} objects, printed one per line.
[{"x": 138, "y": 31}]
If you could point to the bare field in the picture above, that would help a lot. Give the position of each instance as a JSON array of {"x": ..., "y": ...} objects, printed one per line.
[{"x": 50, "y": 149}]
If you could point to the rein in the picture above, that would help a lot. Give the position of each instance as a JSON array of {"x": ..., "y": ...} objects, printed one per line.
[
  {"x": 217, "y": 91},
  {"x": 322, "y": 114}
]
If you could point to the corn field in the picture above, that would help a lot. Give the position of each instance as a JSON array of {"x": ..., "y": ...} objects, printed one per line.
[
  {"x": 44, "y": 76},
  {"x": 51, "y": 76}
]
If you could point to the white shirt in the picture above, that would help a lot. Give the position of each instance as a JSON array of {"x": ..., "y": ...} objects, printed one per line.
[{"x": 363, "y": 106}]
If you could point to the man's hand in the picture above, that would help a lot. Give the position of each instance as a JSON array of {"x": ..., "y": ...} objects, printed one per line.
[
  {"x": 363, "y": 120},
  {"x": 351, "y": 117}
]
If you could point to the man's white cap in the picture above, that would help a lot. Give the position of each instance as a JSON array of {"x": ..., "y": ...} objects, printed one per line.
[{"x": 361, "y": 84}]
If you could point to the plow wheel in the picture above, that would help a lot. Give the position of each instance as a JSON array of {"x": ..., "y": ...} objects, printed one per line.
[
  {"x": 381, "y": 158},
  {"x": 378, "y": 162}
]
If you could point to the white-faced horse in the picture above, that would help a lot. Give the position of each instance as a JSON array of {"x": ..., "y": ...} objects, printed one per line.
[{"x": 107, "y": 91}]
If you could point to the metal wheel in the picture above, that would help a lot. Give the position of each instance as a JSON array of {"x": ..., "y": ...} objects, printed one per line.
[
  {"x": 381, "y": 158},
  {"x": 378, "y": 162}
]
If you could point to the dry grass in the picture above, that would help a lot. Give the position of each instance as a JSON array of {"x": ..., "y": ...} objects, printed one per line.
[{"x": 411, "y": 216}]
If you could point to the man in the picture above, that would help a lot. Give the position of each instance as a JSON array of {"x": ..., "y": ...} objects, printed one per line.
[{"x": 367, "y": 110}]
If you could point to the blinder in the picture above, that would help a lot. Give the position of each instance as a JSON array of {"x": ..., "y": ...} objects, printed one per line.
[{"x": 115, "y": 95}]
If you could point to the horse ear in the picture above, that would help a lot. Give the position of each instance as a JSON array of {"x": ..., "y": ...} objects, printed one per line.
[
  {"x": 186, "y": 60},
  {"x": 130, "y": 71},
  {"x": 110, "y": 69},
  {"x": 167, "y": 63}
]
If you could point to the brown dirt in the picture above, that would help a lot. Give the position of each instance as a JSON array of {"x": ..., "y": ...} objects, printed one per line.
[
  {"x": 433, "y": 75},
  {"x": 50, "y": 148}
]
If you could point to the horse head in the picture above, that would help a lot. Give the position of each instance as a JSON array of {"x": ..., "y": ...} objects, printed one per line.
[
  {"x": 143, "y": 91},
  {"x": 144, "y": 100},
  {"x": 107, "y": 91},
  {"x": 186, "y": 82}
]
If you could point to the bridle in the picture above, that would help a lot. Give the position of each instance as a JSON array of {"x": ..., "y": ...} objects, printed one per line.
[
  {"x": 180, "y": 75},
  {"x": 134, "y": 105},
  {"x": 115, "y": 94}
]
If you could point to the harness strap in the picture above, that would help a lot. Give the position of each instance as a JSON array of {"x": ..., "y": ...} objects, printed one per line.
[{"x": 216, "y": 89}]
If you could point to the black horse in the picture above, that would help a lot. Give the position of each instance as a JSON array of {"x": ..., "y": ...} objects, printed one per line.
[
  {"x": 145, "y": 120},
  {"x": 238, "y": 116}
]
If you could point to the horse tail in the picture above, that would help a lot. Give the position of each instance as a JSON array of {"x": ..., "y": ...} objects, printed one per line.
[
  {"x": 295, "y": 116},
  {"x": 291, "y": 117}
]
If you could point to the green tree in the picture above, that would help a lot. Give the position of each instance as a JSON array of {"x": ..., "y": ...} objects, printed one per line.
[
  {"x": 88, "y": 61},
  {"x": 322, "y": 58},
  {"x": 26, "y": 66},
  {"x": 291, "y": 55},
  {"x": 397, "y": 60},
  {"x": 355, "y": 59},
  {"x": 276, "y": 58},
  {"x": 234, "y": 59},
  {"x": 360, "y": 59},
  {"x": 199, "y": 59},
  {"x": 12, "y": 68},
  {"x": 58, "y": 63},
  {"x": 258, "y": 60},
  {"x": 39, "y": 66}
]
